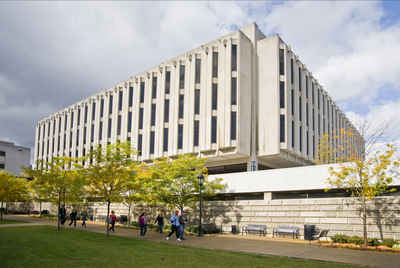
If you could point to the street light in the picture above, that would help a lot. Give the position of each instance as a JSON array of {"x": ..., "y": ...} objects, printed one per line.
[{"x": 201, "y": 179}]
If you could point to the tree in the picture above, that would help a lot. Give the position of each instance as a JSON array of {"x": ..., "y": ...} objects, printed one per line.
[
  {"x": 12, "y": 189},
  {"x": 109, "y": 173},
  {"x": 176, "y": 180}
]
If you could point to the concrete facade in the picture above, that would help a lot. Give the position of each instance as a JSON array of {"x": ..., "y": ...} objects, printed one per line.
[
  {"x": 13, "y": 157},
  {"x": 221, "y": 101}
]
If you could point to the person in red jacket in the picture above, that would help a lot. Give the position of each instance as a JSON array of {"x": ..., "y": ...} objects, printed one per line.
[{"x": 113, "y": 219}]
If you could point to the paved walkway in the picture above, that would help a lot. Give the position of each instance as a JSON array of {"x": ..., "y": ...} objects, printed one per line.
[{"x": 258, "y": 246}]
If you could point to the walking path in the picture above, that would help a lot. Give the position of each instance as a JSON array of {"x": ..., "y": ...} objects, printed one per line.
[{"x": 258, "y": 246}]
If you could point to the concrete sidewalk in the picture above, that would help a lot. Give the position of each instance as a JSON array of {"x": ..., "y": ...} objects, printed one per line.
[{"x": 266, "y": 247}]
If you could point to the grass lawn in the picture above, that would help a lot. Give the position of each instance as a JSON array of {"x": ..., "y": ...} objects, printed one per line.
[
  {"x": 4, "y": 221},
  {"x": 42, "y": 246}
]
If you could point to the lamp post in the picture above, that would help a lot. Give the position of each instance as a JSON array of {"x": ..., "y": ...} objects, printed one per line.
[{"x": 201, "y": 179}]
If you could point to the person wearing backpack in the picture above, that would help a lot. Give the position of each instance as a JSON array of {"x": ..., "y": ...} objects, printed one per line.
[
  {"x": 160, "y": 221},
  {"x": 143, "y": 224},
  {"x": 182, "y": 227},
  {"x": 174, "y": 226},
  {"x": 112, "y": 219}
]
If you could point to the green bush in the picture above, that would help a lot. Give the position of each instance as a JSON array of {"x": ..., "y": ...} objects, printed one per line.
[
  {"x": 373, "y": 242},
  {"x": 340, "y": 238},
  {"x": 389, "y": 242},
  {"x": 356, "y": 240}
]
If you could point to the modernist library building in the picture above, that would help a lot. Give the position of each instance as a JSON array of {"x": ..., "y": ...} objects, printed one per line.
[{"x": 244, "y": 101}]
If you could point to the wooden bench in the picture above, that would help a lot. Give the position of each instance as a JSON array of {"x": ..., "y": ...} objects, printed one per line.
[
  {"x": 261, "y": 229},
  {"x": 286, "y": 230}
]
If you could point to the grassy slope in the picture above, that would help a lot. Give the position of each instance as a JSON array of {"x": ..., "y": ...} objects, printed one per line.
[
  {"x": 4, "y": 221},
  {"x": 44, "y": 247}
]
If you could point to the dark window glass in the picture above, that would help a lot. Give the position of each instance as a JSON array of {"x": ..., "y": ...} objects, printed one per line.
[
  {"x": 2, "y": 166},
  {"x": 86, "y": 113},
  {"x": 58, "y": 144},
  {"x": 234, "y": 57},
  {"x": 119, "y": 125},
  {"x": 101, "y": 131},
  {"x": 233, "y": 91},
  {"x": 313, "y": 119},
  {"x": 141, "y": 92},
  {"x": 300, "y": 109},
  {"x": 79, "y": 116},
  {"x": 292, "y": 134},
  {"x": 197, "y": 71},
  {"x": 77, "y": 137},
  {"x": 312, "y": 92},
  {"x": 181, "y": 103},
  {"x": 292, "y": 100},
  {"x": 165, "y": 140},
  {"x": 139, "y": 144},
  {"x": 2, "y": 153},
  {"x": 101, "y": 107},
  {"x": 153, "y": 114},
  {"x": 152, "y": 142},
  {"x": 181, "y": 76},
  {"x": 197, "y": 101},
  {"x": 64, "y": 141},
  {"x": 54, "y": 127},
  {"x": 84, "y": 136},
  {"x": 299, "y": 78},
  {"x": 92, "y": 133},
  {"x": 196, "y": 133},
  {"x": 167, "y": 81},
  {"x": 306, "y": 86},
  {"x": 154, "y": 88},
  {"x": 130, "y": 96},
  {"x": 282, "y": 128},
  {"x": 110, "y": 104},
  {"x": 282, "y": 94},
  {"x": 214, "y": 98},
  {"x": 72, "y": 123},
  {"x": 109, "y": 127},
  {"x": 307, "y": 143},
  {"x": 307, "y": 115},
  {"x": 180, "y": 136},
  {"x": 318, "y": 97},
  {"x": 129, "y": 121},
  {"x": 120, "y": 100},
  {"x": 59, "y": 126},
  {"x": 70, "y": 142},
  {"x": 140, "y": 118},
  {"x": 323, "y": 105},
  {"x": 291, "y": 71},
  {"x": 301, "y": 138},
  {"x": 319, "y": 123},
  {"x": 233, "y": 125},
  {"x": 93, "y": 111},
  {"x": 215, "y": 64},
  {"x": 166, "y": 110},
  {"x": 313, "y": 145},
  {"x": 213, "y": 129},
  {"x": 40, "y": 129},
  {"x": 65, "y": 124},
  {"x": 281, "y": 62}
]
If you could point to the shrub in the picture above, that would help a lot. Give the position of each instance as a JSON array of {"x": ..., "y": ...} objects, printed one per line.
[
  {"x": 45, "y": 212},
  {"x": 356, "y": 240},
  {"x": 340, "y": 238},
  {"x": 373, "y": 242},
  {"x": 389, "y": 242}
]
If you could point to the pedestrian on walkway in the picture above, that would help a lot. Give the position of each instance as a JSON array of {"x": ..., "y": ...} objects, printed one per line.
[
  {"x": 182, "y": 223},
  {"x": 143, "y": 224},
  {"x": 112, "y": 219},
  {"x": 84, "y": 218},
  {"x": 174, "y": 226},
  {"x": 62, "y": 214},
  {"x": 160, "y": 221},
  {"x": 72, "y": 217}
]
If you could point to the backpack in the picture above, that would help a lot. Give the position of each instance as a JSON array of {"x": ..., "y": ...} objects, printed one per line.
[{"x": 181, "y": 220}]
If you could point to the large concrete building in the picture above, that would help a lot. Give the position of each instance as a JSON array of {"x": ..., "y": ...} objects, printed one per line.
[
  {"x": 13, "y": 157},
  {"x": 243, "y": 101}
]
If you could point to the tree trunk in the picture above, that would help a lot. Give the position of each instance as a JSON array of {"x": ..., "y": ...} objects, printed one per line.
[
  {"x": 129, "y": 214},
  {"x": 1, "y": 211},
  {"x": 40, "y": 208},
  {"x": 58, "y": 213},
  {"x": 364, "y": 216},
  {"x": 107, "y": 217}
]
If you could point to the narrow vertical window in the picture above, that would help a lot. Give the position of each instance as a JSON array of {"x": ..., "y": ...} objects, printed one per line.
[
  {"x": 196, "y": 133},
  {"x": 181, "y": 105},
  {"x": 154, "y": 88},
  {"x": 152, "y": 142},
  {"x": 140, "y": 118},
  {"x": 233, "y": 91},
  {"x": 101, "y": 131},
  {"x": 165, "y": 140},
  {"x": 58, "y": 144},
  {"x": 307, "y": 143},
  {"x": 282, "y": 128},
  {"x": 234, "y": 57},
  {"x": 110, "y": 104},
  {"x": 93, "y": 111},
  {"x": 313, "y": 146},
  {"x": 141, "y": 92},
  {"x": 166, "y": 111},
  {"x": 281, "y": 62},
  {"x": 292, "y": 134},
  {"x": 197, "y": 101},
  {"x": 215, "y": 64},
  {"x": 312, "y": 93},
  {"x": 197, "y": 71},
  {"x": 54, "y": 127},
  {"x": 313, "y": 120},
  {"x": 129, "y": 122},
  {"x": 139, "y": 144},
  {"x": 181, "y": 76},
  {"x": 306, "y": 86},
  {"x": 120, "y": 100},
  {"x": 65, "y": 125},
  {"x": 300, "y": 109},
  {"x": 77, "y": 137},
  {"x": 92, "y": 133},
  {"x": 213, "y": 129},
  {"x": 180, "y": 136},
  {"x": 307, "y": 115},
  {"x": 153, "y": 114},
  {"x": 64, "y": 141},
  {"x": 167, "y": 81},
  {"x": 233, "y": 125},
  {"x": 102, "y": 108},
  {"x": 299, "y": 79},
  {"x": 214, "y": 96},
  {"x": 319, "y": 123},
  {"x": 119, "y": 125},
  {"x": 79, "y": 116},
  {"x": 318, "y": 97},
  {"x": 84, "y": 135},
  {"x": 282, "y": 94},
  {"x": 72, "y": 123},
  {"x": 130, "y": 96},
  {"x": 109, "y": 127},
  {"x": 292, "y": 101},
  {"x": 301, "y": 138},
  {"x": 291, "y": 71}
]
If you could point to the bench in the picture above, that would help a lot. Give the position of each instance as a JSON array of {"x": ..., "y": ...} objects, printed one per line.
[
  {"x": 261, "y": 229},
  {"x": 320, "y": 234},
  {"x": 285, "y": 230}
]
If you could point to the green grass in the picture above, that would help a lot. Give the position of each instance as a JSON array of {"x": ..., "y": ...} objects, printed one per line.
[
  {"x": 4, "y": 221},
  {"x": 42, "y": 246}
]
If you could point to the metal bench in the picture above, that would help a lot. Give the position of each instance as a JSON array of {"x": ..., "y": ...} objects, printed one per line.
[
  {"x": 285, "y": 230},
  {"x": 261, "y": 229},
  {"x": 320, "y": 234}
]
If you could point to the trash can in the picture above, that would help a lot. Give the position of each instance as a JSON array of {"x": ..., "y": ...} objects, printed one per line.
[
  {"x": 309, "y": 231},
  {"x": 234, "y": 229}
]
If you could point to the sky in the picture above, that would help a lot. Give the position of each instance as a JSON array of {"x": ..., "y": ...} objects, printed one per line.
[{"x": 55, "y": 54}]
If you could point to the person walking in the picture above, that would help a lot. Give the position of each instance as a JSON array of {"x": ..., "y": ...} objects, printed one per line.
[
  {"x": 72, "y": 217},
  {"x": 62, "y": 214},
  {"x": 113, "y": 219},
  {"x": 84, "y": 218},
  {"x": 143, "y": 224},
  {"x": 174, "y": 226},
  {"x": 182, "y": 223},
  {"x": 160, "y": 221}
]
